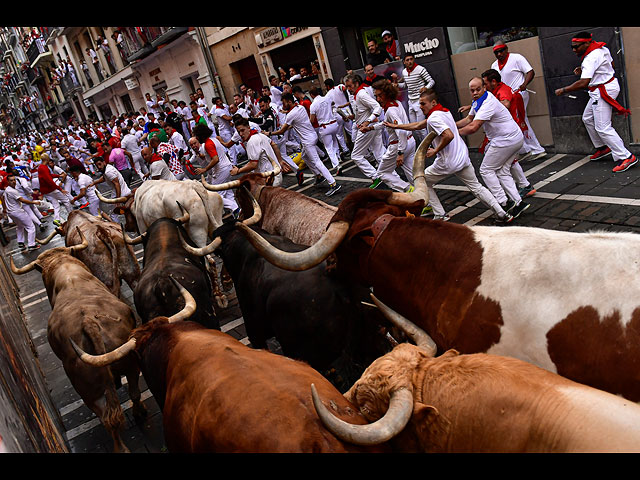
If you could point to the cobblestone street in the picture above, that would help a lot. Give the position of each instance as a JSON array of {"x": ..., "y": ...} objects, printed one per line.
[{"x": 573, "y": 194}]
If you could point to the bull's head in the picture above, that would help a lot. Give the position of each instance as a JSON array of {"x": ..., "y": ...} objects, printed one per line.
[
  {"x": 36, "y": 263},
  {"x": 340, "y": 224},
  {"x": 184, "y": 218},
  {"x": 126, "y": 348},
  {"x": 259, "y": 178},
  {"x": 123, "y": 207},
  {"x": 398, "y": 392}
]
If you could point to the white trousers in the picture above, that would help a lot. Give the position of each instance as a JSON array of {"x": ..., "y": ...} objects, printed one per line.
[
  {"x": 228, "y": 196},
  {"x": 56, "y": 198},
  {"x": 363, "y": 143},
  {"x": 387, "y": 168},
  {"x": 468, "y": 176},
  {"x": 495, "y": 170},
  {"x": 33, "y": 213},
  {"x": 141, "y": 165},
  {"x": 531, "y": 143},
  {"x": 281, "y": 142},
  {"x": 312, "y": 159},
  {"x": 328, "y": 136},
  {"x": 24, "y": 227},
  {"x": 416, "y": 115},
  {"x": 518, "y": 174},
  {"x": 597, "y": 120}
]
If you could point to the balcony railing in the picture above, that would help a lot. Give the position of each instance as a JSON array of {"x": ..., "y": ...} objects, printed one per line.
[
  {"x": 141, "y": 41},
  {"x": 37, "y": 47}
]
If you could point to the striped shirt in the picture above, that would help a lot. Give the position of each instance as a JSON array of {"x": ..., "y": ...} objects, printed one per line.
[{"x": 415, "y": 80}]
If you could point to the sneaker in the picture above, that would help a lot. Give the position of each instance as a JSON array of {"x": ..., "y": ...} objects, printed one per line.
[
  {"x": 600, "y": 152},
  {"x": 319, "y": 180},
  {"x": 21, "y": 246},
  {"x": 507, "y": 207},
  {"x": 519, "y": 209},
  {"x": 539, "y": 156},
  {"x": 527, "y": 191},
  {"x": 444, "y": 218},
  {"x": 626, "y": 164},
  {"x": 504, "y": 220},
  {"x": 43, "y": 227},
  {"x": 33, "y": 248},
  {"x": 376, "y": 183},
  {"x": 409, "y": 189},
  {"x": 57, "y": 222},
  {"x": 426, "y": 211},
  {"x": 333, "y": 189},
  {"x": 299, "y": 177},
  {"x": 236, "y": 213}
]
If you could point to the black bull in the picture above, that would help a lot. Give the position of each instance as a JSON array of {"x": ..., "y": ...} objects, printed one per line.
[
  {"x": 315, "y": 316},
  {"x": 155, "y": 295}
]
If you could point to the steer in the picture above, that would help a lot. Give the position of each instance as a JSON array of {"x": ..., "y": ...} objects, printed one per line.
[
  {"x": 481, "y": 403},
  {"x": 84, "y": 310},
  {"x": 314, "y": 316},
  {"x": 218, "y": 395},
  {"x": 108, "y": 257},
  {"x": 551, "y": 298}
]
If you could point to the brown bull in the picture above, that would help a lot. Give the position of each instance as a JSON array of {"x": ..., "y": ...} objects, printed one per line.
[
  {"x": 480, "y": 403},
  {"x": 218, "y": 395},
  {"x": 108, "y": 257},
  {"x": 84, "y": 310}
]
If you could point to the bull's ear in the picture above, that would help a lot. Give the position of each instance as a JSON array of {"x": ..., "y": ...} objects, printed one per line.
[{"x": 431, "y": 428}]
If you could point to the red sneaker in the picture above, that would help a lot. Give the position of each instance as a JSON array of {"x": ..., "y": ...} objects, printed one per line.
[
  {"x": 626, "y": 164},
  {"x": 600, "y": 152}
]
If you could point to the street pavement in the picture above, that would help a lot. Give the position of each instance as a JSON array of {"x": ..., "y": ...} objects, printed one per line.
[{"x": 573, "y": 194}]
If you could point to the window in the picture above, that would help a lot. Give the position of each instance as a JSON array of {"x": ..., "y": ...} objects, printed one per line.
[{"x": 464, "y": 39}]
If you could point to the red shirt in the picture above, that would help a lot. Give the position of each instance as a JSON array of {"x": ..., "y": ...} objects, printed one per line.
[
  {"x": 306, "y": 103},
  {"x": 516, "y": 104},
  {"x": 45, "y": 178}
]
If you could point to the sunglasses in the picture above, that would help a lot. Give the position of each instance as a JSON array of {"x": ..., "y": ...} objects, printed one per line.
[{"x": 499, "y": 51}]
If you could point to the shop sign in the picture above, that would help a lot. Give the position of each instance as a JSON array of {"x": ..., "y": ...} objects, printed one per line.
[
  {"x": 270, "y": 35},
  {"x": 423, "y": 48},
  {"x": 87, "y": 102},
  {"x": 131, "y": 83}
]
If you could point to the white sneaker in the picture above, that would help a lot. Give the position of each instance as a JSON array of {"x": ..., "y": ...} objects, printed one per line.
[{"x": 444, "y": 218}]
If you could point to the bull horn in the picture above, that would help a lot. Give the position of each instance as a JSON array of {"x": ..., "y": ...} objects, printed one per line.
[
  {"x": 421, "y": 191},
  {"x": 132, "y": 241},
  {"x": 387, "y": 427},
  {"x": 257, "y": 211},
  {"x": 20, "y": 270},
  {"x": 305, "y": 259},
  {"x": 189, "y": 303},
  {"x": 46, "y": 240},
  {"x": 419, "y": 336},
  {"x": 185, "y": 215},
  {"x": 81, "y": 246},
  {"x": 110, "y": 200},
  {"x": 106, "y": 358},
  {"x": 221, "y": 186}
]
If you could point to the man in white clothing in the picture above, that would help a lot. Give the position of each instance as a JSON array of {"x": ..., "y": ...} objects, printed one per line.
[
  {"x": 517, "y": 73},
  {"x": 87, "y": 192},
  {"x": 115, "y": 179},
  {"x": 416, "y": 79},
  {"x": 12, "y": 203},
  {"x": 131, "y": 144},
  {"x": 598, "y": 76},
  {"x": 505, "y": 140},
  {"x": 321, "y": 112},
  {"x": 158, "y": 168}
]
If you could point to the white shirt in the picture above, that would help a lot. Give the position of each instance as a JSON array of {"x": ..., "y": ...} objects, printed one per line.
[
  {"x": 84, "y": 181},
  {"x": 276, "y": 95},
  {"x": 598, "y": 66},
  {"x": 113, "y": 175},
  {"x": 131, "y": 144},
  {"x": 321, "y": 108},
  {"x": 11, "y": 202},
  {"x": 258, "y": 148},
  {"x": 499, "y": 126},
  {"x": 177, "y": 141},
  {"x": 514, "y": 70},
  {"x": 366, "y": 107},
  {"x": 455, "y": 156},
  {"x": 224, "y": 125},
  {"x": 298, "y": 119},
  {"x": 160, "y": 169}
]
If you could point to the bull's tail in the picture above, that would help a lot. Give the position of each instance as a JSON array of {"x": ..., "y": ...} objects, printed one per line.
[
  {"x": 108, "y": 241},
  {"x": 109, "y": 413}
]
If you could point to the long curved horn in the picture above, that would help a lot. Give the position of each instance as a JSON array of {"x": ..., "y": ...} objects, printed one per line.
[
  {"x": 46, "y": 240},
  {"x": 257, "y": 211},
  {"x": 419, "y": 336},
  {"x": 185, "y": 215},
  {"x": 20, "y": 270},
  {"x": 305, "y": 259},
  {"x": 221, "y": 186},
  {"x": 132, "y": 241},
  {"x": 189, "y": 303},
  {"x": 110, "y": 200},
  {"x": 421, "y": 191},
  {"x": 387, "y": 427},
  {"x": 81, "y": 246}
]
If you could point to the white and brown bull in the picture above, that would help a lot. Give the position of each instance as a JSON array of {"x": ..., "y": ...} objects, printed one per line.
[
  {"x": 108, "y": 256},
  {"x": 480, "y": 403},
  {"x": 564, "y": 301},
  {"x": 84, "y": 310},
  {"x": 218, "y": 395}
]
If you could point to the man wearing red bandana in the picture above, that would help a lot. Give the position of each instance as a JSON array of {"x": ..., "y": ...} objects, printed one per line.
[
  {"x": 517, "y": 73},
  {"x": 598, "y": 76}
]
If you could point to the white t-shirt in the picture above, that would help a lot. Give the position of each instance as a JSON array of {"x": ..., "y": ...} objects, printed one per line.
[
  {"x": 84, "y": 181},
  {"x": 130, "y": 143},
  {"x": 276, "y": 95},
  {"x": 113, "y": 175},
  {"x": 299, "y": 121},
  {"x": 258, "y": 148},
  {"x": 11, "y": 202},
  {"x": 160, "y": 169},
  {"x": 514, "y": 70},
  {"x": 177, "y": 141},
  {"x": 598, "y": 66},
  {"x": 321, "y": 108},
  {"x": 499, "y": 126},
  {"x": 455, "y": 156}
]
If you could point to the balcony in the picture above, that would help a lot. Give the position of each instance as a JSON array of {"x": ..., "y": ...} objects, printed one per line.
[
  {"x": 37, "y": 50},
  {"x": 142, "y": 41}
]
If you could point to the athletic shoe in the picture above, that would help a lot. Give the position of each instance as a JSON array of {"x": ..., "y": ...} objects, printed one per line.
[
  {"x": 426, "y": 211},
  {"x": 444, "y": 218},
  {"x": 507, "y": 207},
  {"x": 626, "y": 164},
  {"x": 334, "y": 188},
  {"x": 376, "y": 183},
  {"x": 299, "y": 177},
  {"x": 525, "y": 156},
  {"x": 539, "y": 155},
  {"x": 57, "y": 222},
  {"x": 21, "y": 246},
  {"x": 319, "y": 180},
  {"x": 33, "y": 248},
  {"x": 43, "y": 227},
  {"x": 600, "y": 152},
  {"x": 519, "y": 209},
  {"x": 526, "y": 191},
  {"x": 236, "y": 213},
  {"x": 504, "y": 220},
  {"x": 410, "y": 189}
]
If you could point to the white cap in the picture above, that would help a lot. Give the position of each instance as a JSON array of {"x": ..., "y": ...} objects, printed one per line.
[{"x": 386, "y": 32}]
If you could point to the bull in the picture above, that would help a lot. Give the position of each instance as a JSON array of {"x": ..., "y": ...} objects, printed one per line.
[
  {"x": 480, "y": 403},
  {"x": 85, "y": 310},
  {"x": 218, "y": 395},
  {"x": 534, "y": 294},
  {"x": 108, "y": 257},
  {"x": 314, "y": 316}
]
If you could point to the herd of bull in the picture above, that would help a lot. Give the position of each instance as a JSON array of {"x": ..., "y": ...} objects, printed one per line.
[{"x": 398, "y": 333}]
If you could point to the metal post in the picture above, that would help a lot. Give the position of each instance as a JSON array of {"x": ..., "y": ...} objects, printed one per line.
[{"x": 211, "y": 67}]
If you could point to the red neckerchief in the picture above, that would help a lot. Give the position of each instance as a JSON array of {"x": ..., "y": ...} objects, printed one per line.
[
  {"x": 355, "y": 94},
  {"x": 592, "y": 45},
  {"x": 502, "y": 63},
  {"x": 437, "y": 108},
  {"x": 390, "y": 104},
  {"x": 391, "y": 49},
  {"x": 409, "y": 70},
  {"x": 252, "y": 132},
  {"x": 155, "y": 157}
]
